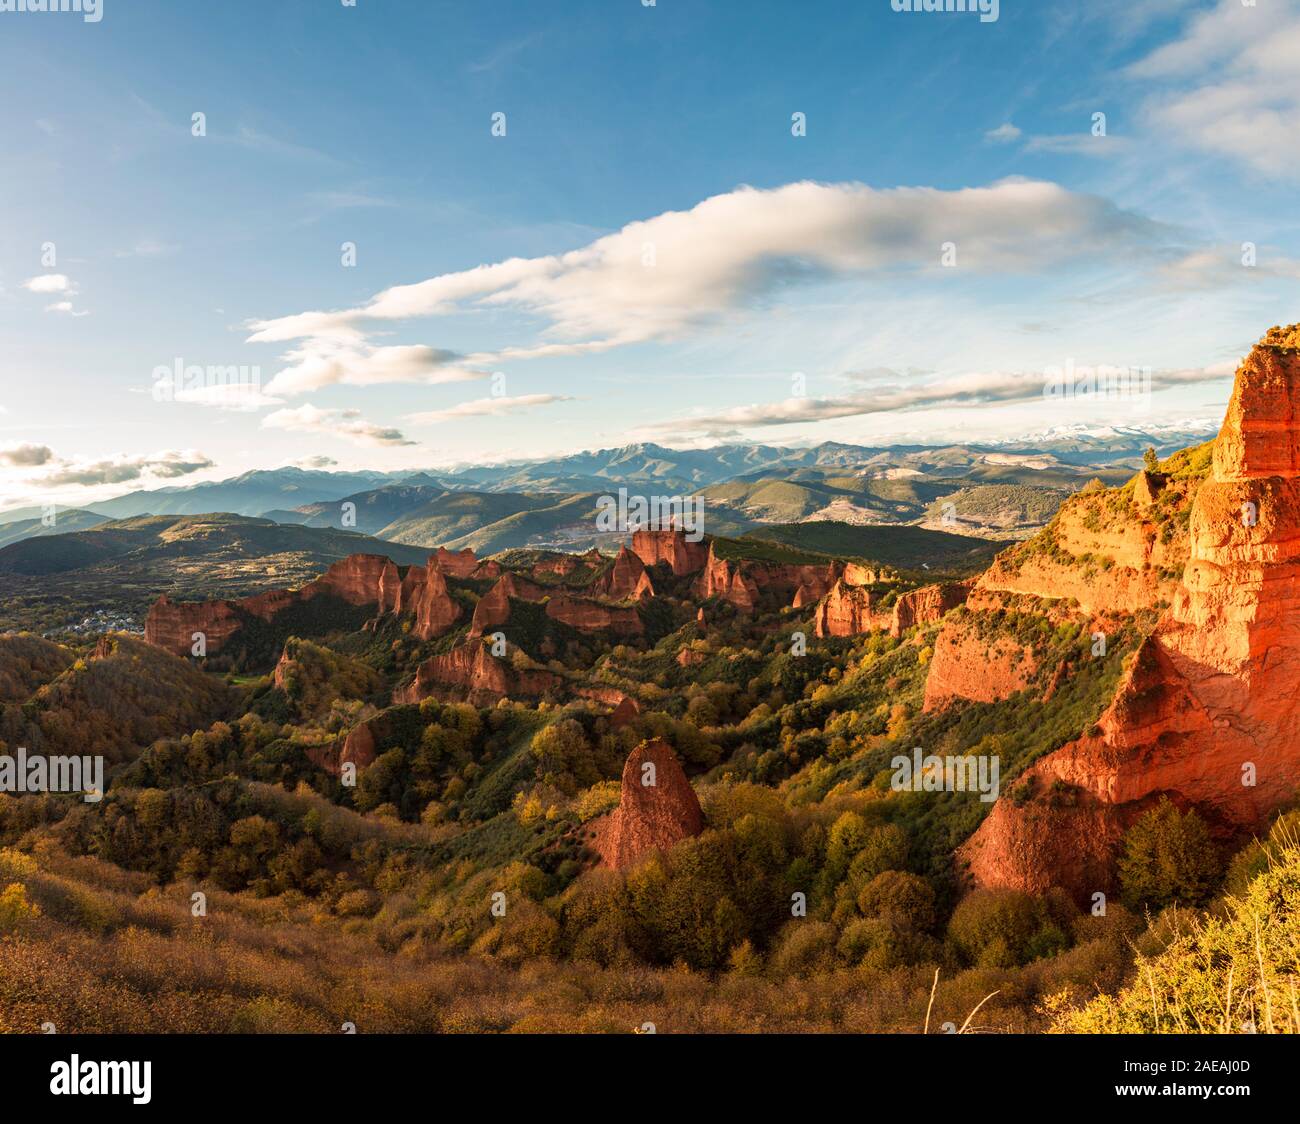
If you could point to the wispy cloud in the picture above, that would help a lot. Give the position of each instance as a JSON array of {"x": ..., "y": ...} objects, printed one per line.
[
  {"x": 26, "y": 455},
  {"x": 167, "y": 465},
  {"x": 981, "y": 388},
  {"x": 488, "y": 407},
  {"x": 344, "y": 423},
  {"x": 1231, "y": 85},
  {"x": 660, "y": 279}
]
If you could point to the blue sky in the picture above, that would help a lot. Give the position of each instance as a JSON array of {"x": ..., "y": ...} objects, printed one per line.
[{"x": 372, "y": 125}]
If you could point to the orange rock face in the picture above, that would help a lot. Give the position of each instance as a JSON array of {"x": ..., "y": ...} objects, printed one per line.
[
  {"x": 624, "y": 713},
  {"x": 926, "y": 605},
  {"x": 424, "y": 593},
  {"x": 584, "y": 614},
  {"x": 673, "y": 547},
  {"x": 1207, "y": 712},
  {"x": 593, "y": 616},
  {"x": 850, "y": 609},
  {"x": 471, "y": 672},
  {"x": 657, "y": 808},
  {"x": 624, "y": 579},
  {"x": 968, "y": 666},
  {"x": 459, "y": 564},
  {"x": 741, "y": 582},
  {"x": 171, "y": 625},
  {"x": 493, "y": 608},
  {"x": 359, "y": 580},
  {"x": 724, "y": 580}
]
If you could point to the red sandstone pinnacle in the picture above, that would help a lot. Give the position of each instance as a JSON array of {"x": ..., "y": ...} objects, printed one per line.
[
  {"x": 493, "y": 608},
  {"x": 657, "y": 808},
  {"x": 673, "y": 547},
  {"x": 623, "y": 579},
  {"x": 428, "y": 597},
  {"x": 1208, "y": 704},
  {"x": 624, "y": 713}
]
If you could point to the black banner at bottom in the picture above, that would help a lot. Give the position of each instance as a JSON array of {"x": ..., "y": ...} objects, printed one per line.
[{"x": 346, "y": 1071}]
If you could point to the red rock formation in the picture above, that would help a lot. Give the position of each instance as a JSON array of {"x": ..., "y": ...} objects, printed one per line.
[
  {"x": 967, "y": 665},
  {"x": 493, "y": 608},
  {"x": 657, "y": 808},
  {"x": 1147, "y": 487},
  {"x": 424, "y": 593},
  {"x": 559, "y": 565},
  {"x": 460, "y": 564},
  {"x": 727, "y": 581},
  {"x": 624, "y": 713},
  {"x": 359, "y": 746},
  {"x": 849, "y": 610},
  {"x": 473, "y": 673},
  {"x": 857, "y": 574},
  {"x": 927, "y": 605},
  {"x": 593, "y": 616},
  {"x": 488, "y": 570},
  {"x": 1210, "y": 699},
  {"x": 623, "y": 580},
  {"x": 171, "y": 625},
  {"x": 672, "y": 547},
  {"x": 359, "y": 580}
]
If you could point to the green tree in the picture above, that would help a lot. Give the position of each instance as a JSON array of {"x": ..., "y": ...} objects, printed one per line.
[
  {"x": 1168, "y": 857},
  {"x": 1150, "y": 461}
]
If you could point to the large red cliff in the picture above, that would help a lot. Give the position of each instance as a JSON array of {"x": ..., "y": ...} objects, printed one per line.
[
  {"x": 673, "y": 547},
  {"x": 582, "y": 613},
  {"x": 1207, "y": 710},
  {"x": 849, "y": 609},
  {"x": 358, "y": 580}
]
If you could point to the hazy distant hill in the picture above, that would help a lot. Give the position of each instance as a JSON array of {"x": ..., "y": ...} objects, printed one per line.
[
  {"x": 249, "y": 494},
  {"x": 1051, "y": 459},
  {"x": 57, "y": 580},
  {"x": 70, "y": 519},
  {"x": 373, "y": 509},
  {"x": 910, "y": 548}
]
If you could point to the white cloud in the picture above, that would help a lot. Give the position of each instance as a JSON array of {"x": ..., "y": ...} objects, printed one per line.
[
  {"x": 979, "y": 388},
  {"x": 1003, "y": 134},
  {"x": 488, "y": 407},
  {"x": 658, "y": 279},
  {"x": 1077, "y": 144},
  {"x": 148, "y": 248},
  {"x": 1232, "y": 85},
  {"x": 49, "y": 283},
  {"x": 166, "y": 465},
  {"x": 26, "y": 455},
  {"x": 347, "y": 424}
]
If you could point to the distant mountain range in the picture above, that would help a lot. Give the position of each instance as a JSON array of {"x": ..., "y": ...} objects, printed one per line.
[
  {"x": 1003, "y": 490},
  {"x": 684, "y": 470}
]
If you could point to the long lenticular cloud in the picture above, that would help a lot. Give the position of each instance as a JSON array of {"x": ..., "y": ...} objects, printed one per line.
[{"x": 662, "y": 277}]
